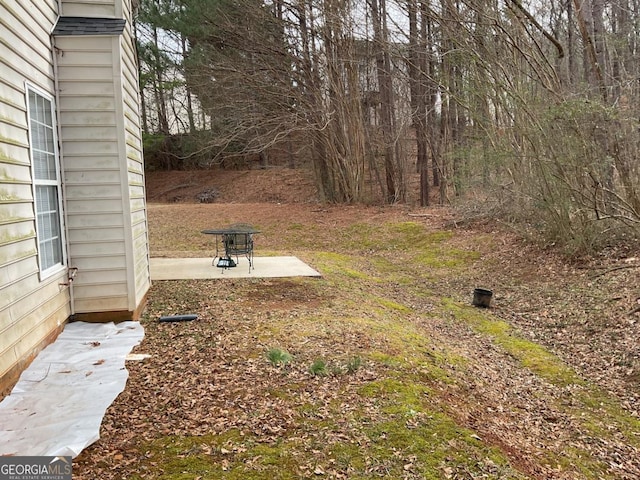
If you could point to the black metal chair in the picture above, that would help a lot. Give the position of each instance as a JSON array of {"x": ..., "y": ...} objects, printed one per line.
[
  {"x": 240, "y": 243},
  {"x": 234, "y": 240}
]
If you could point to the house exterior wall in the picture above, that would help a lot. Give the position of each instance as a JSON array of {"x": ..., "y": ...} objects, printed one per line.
[
  {"x": 32, "y": 309},
  {"x": 140, "y": 271},
  {"x": 91, "y": 8},
  {"x": 104, "y": 176},
  {"x": 92, "y": 81},
  {"x": 104, "y": 173}
]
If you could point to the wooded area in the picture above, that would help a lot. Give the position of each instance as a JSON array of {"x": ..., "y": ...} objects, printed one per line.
[{"x": 532, "y": 107}]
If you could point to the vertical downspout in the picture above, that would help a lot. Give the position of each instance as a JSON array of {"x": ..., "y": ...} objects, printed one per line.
[{"x": 71, "y": 271}]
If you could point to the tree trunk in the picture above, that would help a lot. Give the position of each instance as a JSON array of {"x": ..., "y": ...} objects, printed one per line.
[
  {"x": 593, "y": 43},
  {"x": 417, "y": 74},
  {"x": 190, "y": 116},
  {"x": 383, "y": 70},
  {"x": 159, "y": 96}
]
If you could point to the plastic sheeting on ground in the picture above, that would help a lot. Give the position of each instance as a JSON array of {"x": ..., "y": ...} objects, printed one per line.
[{"x": 57, "y": 406}]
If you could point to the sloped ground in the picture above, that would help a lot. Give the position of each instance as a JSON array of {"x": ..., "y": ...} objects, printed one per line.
[
  {"x": 417, "y": 383},
  {"x": 270, "y": 185}
]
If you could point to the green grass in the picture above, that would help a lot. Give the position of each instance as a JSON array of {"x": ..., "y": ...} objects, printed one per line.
[
  {"x": 340, "y": 265},
  {"x": 319, "y": 368},
  {"x": 353, "y": 364},
  {"x": 532, "y": 355},
  {"x": 232, "y": 455},
  {"x": 376, "y": 381},
  {"x": 431, "y": 442},
  {"x": 595, "y": 410},
  {"x": 278, "y": 357}
]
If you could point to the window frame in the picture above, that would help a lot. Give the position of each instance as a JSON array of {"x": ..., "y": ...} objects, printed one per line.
[{"x": 46, "y": 271}]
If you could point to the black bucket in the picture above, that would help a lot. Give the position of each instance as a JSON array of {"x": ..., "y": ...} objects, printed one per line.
[{"x": 482, "y": 297}]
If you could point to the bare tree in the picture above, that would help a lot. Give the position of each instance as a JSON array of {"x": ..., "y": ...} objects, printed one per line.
[
  {"x": 417, "y": 77},
  {"x": 536, "y": 104}
]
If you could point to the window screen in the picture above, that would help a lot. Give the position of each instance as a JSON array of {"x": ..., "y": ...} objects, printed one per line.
[{"x": 46, "y": 179}]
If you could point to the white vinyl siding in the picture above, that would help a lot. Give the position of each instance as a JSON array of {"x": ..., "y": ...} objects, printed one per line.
[
  {"x": 46, "y": 181},
  {"x": 87, "y": 86},
  {"x": 135, "y": 167},
  {"x": 103, "y": 166},
  {"x": 32, "y": 308},
  {"x": 91, "y": 8}
]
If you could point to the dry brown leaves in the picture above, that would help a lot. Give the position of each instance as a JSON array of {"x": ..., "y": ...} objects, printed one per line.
[{"x": 210, "y": 376}]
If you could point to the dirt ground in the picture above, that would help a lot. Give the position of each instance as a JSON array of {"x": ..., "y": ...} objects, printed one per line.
[
  {"x": 586, "y": 312},
  {"x": 604, "y": 342},
  {"x": 540, "y": 292},
  {"x": 270, "y": 185}
]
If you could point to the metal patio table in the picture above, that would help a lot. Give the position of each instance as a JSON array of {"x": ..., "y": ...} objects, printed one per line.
[{"x": 233, "y": 241}]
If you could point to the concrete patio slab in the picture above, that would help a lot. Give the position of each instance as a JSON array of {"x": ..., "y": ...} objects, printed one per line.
[{"x": 202, "y": 268}]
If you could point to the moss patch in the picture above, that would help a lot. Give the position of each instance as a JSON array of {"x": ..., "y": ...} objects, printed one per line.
[
  {"x": 531, "y": 355},
  {"x": 230, "y": 455},
  {"x": 592, "y": 408},
  {"x": 339, "y": 264},
  {"x": 429, "y": 443}
]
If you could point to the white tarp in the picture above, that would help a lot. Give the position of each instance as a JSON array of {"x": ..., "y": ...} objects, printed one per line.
[{"x": 57, "y": 406}]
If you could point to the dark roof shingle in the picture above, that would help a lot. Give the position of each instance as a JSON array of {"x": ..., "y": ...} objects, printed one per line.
[{"x": 89, "y": 26}]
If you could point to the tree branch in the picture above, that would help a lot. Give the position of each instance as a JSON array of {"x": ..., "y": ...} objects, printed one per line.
[{"x": 536, "y": 24}]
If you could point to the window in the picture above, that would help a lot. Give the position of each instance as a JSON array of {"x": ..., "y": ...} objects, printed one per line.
[{"x": 46, "y": 182}]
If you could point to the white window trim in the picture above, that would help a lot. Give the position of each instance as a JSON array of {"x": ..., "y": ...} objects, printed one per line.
[{"x": 48, "y": 272}]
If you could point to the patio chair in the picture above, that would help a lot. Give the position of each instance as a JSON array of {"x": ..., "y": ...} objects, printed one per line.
[{"x": 239, "y": 241}]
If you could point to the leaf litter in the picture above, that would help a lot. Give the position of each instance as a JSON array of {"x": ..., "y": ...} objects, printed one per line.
[{"x": 543, "y": 385}]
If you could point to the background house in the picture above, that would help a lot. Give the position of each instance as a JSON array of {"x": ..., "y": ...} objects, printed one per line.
[{"x": 73, "y": 229}]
